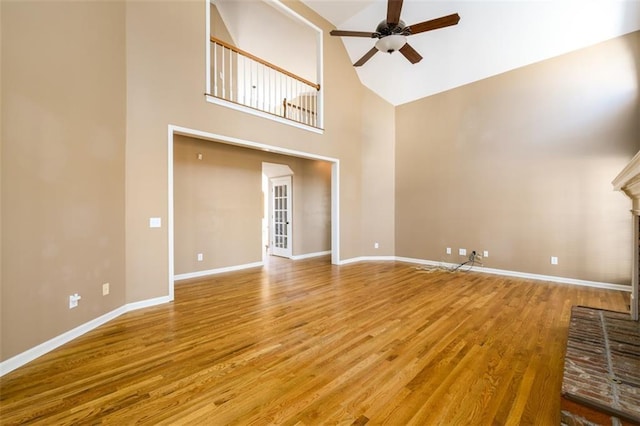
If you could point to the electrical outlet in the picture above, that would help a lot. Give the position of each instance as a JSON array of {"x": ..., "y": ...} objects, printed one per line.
[
  {"x": 200, "y": 257},
  {"x": 462, "y": 252},
  {"x": 448, "y": 250},
  {"x": 485, "y": 253},
  {"x": 376, "y": 245},
  {"x": 554, "y": 260},
  {"x": 73, "y": 300},
  {"x": 105, "y": 289}
]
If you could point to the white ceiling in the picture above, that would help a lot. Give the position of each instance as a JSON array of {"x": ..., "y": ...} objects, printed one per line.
[{"x": 491, "y": 38}]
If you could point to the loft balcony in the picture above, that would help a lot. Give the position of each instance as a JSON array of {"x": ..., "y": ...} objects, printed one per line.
[{"x": 246, "y": 81}]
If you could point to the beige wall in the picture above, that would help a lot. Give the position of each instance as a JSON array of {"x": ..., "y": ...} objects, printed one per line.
[
  {"x": 378, "y": 176},
  {"x": 218, "y": 204},
  {"x": 112, "y": 79},
  {"x": 311, "y": 205},
  {"x": 521, "y": 165},
  {"x": 63, "y": 137},
  {"x": 165, "y": 85}
]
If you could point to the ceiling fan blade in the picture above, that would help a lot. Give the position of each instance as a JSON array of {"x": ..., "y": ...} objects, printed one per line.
[
  {"x": 340, "y": 33},
  {"x": 410, "y": 53},
  {"x": 366, "y": 57},
  {"x": 434, "y": 24},
  {"x": 394, "y": 7}
]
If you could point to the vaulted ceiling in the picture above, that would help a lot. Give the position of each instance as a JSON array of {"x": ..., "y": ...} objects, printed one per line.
[{"x": 492, "y": 37}]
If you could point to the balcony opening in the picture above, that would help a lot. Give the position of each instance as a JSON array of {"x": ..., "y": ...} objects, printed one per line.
[{"x": 265, "y": 59}]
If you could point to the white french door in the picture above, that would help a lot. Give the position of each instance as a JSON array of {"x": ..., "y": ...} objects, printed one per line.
[{"x": 280, "y": 229}]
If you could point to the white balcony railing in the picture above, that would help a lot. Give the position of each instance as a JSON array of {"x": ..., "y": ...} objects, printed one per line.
[{"x": 242, "y": 78}]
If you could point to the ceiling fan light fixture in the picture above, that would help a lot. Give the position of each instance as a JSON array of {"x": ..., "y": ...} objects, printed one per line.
[{"x": 391, "y": 43}]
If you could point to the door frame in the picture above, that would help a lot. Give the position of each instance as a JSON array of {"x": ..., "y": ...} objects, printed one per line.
[{"x": 288, "y": 182}]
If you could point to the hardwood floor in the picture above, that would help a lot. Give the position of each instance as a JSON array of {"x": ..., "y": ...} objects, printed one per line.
[{"x": 306, "y": 342}]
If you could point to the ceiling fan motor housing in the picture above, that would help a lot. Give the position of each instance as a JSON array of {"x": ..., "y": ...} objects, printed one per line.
[{"x": 384, "y": 29}]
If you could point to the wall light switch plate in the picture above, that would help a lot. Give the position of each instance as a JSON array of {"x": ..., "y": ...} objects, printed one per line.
[
  {"x": 73, "y": 300},
  {"x": 155, "y": 222}
]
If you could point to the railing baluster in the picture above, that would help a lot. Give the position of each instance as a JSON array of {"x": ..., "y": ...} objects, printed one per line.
[
  {"x": 215, "y": 70},
  {"x": 231, "y": 75},
  {"x": 282, "y": 95},
  {"x": 223, "y": 77},
  {"x": 261, "y": 87},
  {"x": 244, "y": 81},
  {"x": 304, "y": 104}
]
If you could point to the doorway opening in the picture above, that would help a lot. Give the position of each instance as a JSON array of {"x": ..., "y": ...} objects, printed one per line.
[
  {"x": 277, "y": 215},
  {"x": 280, "y": 216},
  {"x": 330, "y": 165}
]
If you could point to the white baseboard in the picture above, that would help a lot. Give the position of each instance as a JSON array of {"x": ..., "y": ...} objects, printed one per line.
[
  {"x": 41, "y": 349},
  {"x": 366, "y": 259},
  {"x": 552, "y": 278},
  {"x": 51, "y": 344},
  {"x": 352, "y": 260},
  {"x": 199, "y": 274},
  {"x": 147, "y": 303},
  {"x": 539, "y": 277},
  {"x": 310, "y": 255}
]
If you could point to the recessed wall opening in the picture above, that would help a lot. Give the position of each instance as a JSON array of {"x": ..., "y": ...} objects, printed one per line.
[
  {"x": 217, "y": 204},
  {"x": 246, "y": 73}
]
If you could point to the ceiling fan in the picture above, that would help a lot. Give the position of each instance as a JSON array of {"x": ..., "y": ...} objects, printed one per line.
[{"x": 392, "y": 32}]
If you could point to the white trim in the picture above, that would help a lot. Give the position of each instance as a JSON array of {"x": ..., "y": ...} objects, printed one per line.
[
  {"x": 335, "y": 212},
  {"x": 366, "y": 259},
  {"x": 258, "y": 113},
  {"x": 185, "y": 131},
  {"x": 553, "y": 278},
  {"x": 540, "y": 277},
  {"x": 278, "y": 4},
  {"x": 310, "y": 255},
  {"x": 208, "y": 272},
  {"x": 134, "y": 306},
  {"x": 170, "y": 235},
  {"x": 29, "y": 355},
  {"x": 207, "y": 48}
]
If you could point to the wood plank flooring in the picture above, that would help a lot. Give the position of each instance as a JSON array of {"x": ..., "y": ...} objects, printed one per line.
[{"x": 306, "y": 342}]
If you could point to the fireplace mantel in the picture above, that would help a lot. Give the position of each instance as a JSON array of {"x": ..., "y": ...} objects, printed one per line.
[{"x": 628, "y": 181}]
